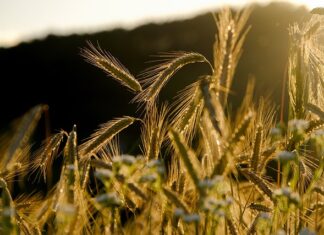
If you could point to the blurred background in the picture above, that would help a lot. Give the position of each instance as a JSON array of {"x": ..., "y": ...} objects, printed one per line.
[{"x": 40, "y": 60}]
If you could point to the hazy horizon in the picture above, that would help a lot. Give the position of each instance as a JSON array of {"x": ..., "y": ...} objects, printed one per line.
[{"x": 22, "y": 21}]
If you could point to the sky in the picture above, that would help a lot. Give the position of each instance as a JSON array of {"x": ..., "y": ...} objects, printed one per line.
[{"x": 24, "y": 20}]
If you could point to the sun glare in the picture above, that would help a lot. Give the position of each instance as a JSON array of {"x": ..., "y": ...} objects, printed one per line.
[{"x": 310, "y": 3}]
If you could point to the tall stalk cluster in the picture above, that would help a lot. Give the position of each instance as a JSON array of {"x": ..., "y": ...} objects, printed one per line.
[{"x": 203, "y": 169}]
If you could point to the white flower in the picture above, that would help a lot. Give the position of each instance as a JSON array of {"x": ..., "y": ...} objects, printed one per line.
[
  {"x": 298, "y": 124},
  {"x": 286, "y": 156},
  {"x": 191, "y": 218}
]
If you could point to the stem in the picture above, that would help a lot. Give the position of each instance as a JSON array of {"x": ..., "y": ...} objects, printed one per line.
[
  {"x": 316, "y": 212},
  {"x": 278, "y": 174},
  {"x": 283, "y": 95},
  {"x": 206, "y": 224},
  {"x": 197, "y": 228}
]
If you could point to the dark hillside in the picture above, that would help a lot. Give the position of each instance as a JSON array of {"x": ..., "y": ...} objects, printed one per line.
[{"x": 51, "y": 71}]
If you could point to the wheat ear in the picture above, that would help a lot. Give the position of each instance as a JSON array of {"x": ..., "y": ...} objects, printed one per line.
[
  {"x": 102, "y": 136},
  {"x": 231, "y": 226},
  {"x": 314, "y": 124},
  {"x": 256, "y": 149},
  {"x": 99, "y": 163},
  {"x": 71, "y": 165},
  {"x": 187, "y": 111},
  {"x": 253, "y": 225},
  {"x": 8, "y": 221},
  {"x": 229, "y": 39},
  {"x": 154, "y": 131},
  {"x": 318, "y": 11},
  {"x": 242, "y": 127},
  {"x": 188, "y": 157},
  {"x": 175, "y": 199},
  {"x": 105, "y": 61},
  {"x": 206, "y": 93},
  {"x": 313, "y": 207},
  {"x": 155, "y": 78},
  {"x": 259, "y": 207},
  {"x": 316, "y": 110},
  {"x": 24, "y": 131},
  {"x": 138, "y": 191},
  {"x": 45, "y": 155},
  {"x": 258, "y": 182}
]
